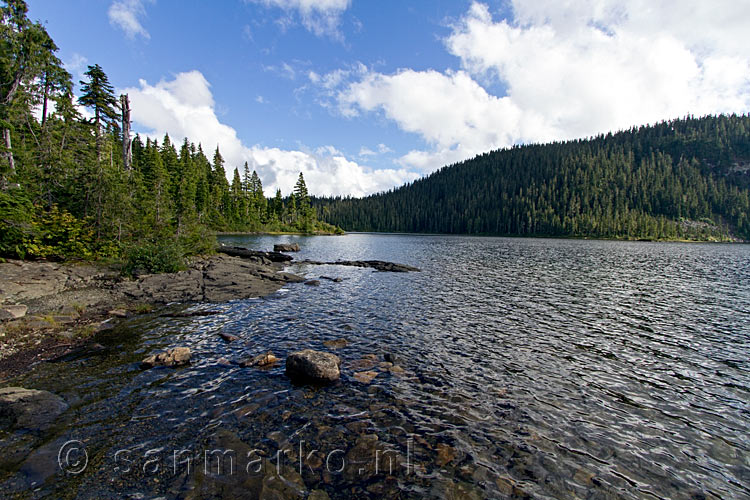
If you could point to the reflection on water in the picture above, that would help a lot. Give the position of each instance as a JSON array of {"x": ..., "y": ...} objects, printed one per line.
[{"x": 523, "y": 368}]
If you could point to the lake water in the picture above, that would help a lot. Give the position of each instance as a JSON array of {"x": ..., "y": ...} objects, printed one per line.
[{"x": 525, "y": 368}]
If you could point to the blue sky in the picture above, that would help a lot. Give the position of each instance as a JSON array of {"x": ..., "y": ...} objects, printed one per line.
[{"x": 364, "y": 95}]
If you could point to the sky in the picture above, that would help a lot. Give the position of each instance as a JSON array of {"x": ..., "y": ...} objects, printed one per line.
[{"x": 362, "y": 95}]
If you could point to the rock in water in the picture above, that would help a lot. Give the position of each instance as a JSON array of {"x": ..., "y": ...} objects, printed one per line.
[
  {"x": 314, "y": 366},
  {"x": 286, "y": 247},
  {"x": 336, "y": 343},
  {"x": 312, "y": 283},
  {"x": 261, "y": 360},
  {"x": 29, "y": 408},
  {"x": 228, "y": 337},
  {"x": 173, "y": 357},
  {"x": 365, "y": 377}
]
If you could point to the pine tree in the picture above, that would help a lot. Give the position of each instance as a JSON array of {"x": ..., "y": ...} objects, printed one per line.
[
  {"x": 26, "y": 55},
  {"x": 97, "y": 93}
]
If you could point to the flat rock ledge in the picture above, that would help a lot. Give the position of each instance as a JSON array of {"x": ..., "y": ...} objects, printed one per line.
[
  {"x": 261, "y": 257},
  {"x": 378, "y": 265},
  {"x": 313, "y": 366},
  {"x": 179, "y": 356},
  {"x": 29, "y": 408}
]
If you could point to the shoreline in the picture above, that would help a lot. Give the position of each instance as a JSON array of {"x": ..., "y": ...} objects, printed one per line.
[
  {"x": 68, "y": 304},
  {"x": 275, "y": 233},
  {"x": 552, "y": 237}
]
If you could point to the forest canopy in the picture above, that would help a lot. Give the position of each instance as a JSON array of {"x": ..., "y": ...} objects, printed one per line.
[
  {"x": 77, "y": 187},
  {"x": 680, "y": 179}
]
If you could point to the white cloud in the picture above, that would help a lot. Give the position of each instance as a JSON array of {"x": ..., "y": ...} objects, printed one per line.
[
  {"x": 450, "y": 111},
  {"x": 567, "y": 69},
  {"x": 321, "y": 17},
  {"x": 381, "y": 150},
  {"x": 125, "y": 15},
  {"x": 587, "y": 67},
  {"x": 184, "y": 107}
]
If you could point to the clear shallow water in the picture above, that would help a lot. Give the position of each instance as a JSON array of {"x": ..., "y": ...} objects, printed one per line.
[{"x": 531, "y": 368}]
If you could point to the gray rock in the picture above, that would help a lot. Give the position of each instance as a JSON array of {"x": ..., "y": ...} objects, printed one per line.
[
  {"x": 29, "y": 408},
  {"x": 173, "y": 357},
  {"x": 228, "y": 337},
  {"x": 315, "y": 366},
  {"x": 286, "y": 247},
  {"x": 13, "y": 311},
  {"x": 378, "y": 265}
]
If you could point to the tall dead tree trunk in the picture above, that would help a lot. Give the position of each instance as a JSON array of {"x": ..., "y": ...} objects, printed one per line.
[
  {"x": 9, "y": 152},
  {"x": 127, "y": 153}
]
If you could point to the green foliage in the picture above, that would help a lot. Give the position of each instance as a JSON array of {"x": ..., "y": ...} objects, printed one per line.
[
  {"x": 163, "y": 256},
  {"x": 15, "y": 223},
  {"x": 30, "y": 232},
  {"x": 77, "y": 200},
  {"x": 635, "y": 184}
]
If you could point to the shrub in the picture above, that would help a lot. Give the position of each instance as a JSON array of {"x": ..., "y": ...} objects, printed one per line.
[{"x": 154, "y": 257}]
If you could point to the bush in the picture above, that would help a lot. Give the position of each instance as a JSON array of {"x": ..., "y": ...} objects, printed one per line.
[
  {"x": 156, "y": 257},
  {"x": 28, "y": 231},
  {"x": 15, "y": 223},
  {"x": 198, "y": 240}
]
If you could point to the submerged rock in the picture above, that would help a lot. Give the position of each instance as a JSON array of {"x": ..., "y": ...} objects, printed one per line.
[
  {"x": 286, "y": 247},
  {"x": 365, "y": 377},
  {"x": 29, "y": 408},
  {"x": 445, "y": 454},
  {"x": 228, "y": 337},
  {"x": 173, "y": 357},
  {"x": 261, "y": 360},
  {"x": 316, "y": 366},
  {"x": 335, "y": 280},
  {"x": 391, "y": 358},
  {"x": 336, "y": 343}
]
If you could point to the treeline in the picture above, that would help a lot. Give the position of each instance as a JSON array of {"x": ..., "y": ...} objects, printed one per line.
[
  {"x": 72, "y": 186},
  {"x": 679, "y": 179}
]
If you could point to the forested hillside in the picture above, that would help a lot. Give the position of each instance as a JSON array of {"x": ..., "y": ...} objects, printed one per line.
[
  {"x": 72, "y": 186},
  {"x": 681, "y": 179}
]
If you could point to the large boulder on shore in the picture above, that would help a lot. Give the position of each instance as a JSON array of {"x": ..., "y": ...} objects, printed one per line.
[
  {"x": 173, "y": 357},
  {"x": 313, "y": 366},
  {"x": 286, "y": 247},
  {"x": 29, "y": 408}
]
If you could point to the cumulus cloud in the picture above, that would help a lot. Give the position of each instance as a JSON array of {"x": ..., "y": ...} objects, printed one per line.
[
  {"x": 125, "y": 15},
  {"x": 566, "y": 70},
  {"x": 185, "y": 107},
  {"x": 321, "y": 17},
  {"x": 587, "y": 67}
]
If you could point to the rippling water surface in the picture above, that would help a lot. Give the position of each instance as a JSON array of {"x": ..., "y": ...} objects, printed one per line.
[{"x": 525, "y": 368}]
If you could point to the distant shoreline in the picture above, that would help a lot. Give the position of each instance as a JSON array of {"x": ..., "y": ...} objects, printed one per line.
[
  {"x": 275, "y": 233},
  {"x": 515, "y": 236}
]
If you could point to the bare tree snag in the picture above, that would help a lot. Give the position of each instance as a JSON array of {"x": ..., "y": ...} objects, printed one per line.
[{"x": 127, "y": 153}]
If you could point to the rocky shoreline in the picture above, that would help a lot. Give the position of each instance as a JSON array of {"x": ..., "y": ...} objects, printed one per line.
[{"x": 49, "y": 309}]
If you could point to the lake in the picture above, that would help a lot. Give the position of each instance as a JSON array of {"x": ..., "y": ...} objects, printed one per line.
[{"x": 523, "y": 368}]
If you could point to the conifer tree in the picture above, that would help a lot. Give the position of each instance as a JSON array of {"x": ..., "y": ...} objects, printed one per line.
[{"x": 97, "y": 93}]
